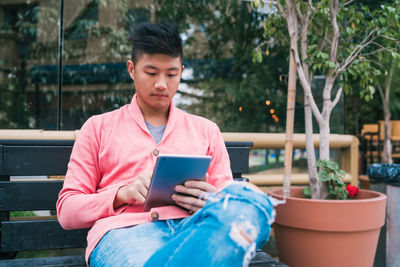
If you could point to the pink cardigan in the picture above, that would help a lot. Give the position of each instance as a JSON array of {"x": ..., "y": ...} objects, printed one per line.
[{"x": 112, "y": 149}]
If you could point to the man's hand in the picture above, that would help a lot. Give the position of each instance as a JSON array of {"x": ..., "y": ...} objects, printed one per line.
[
  {"x": 192, "y": 190},
  {"x": 135, "y": 191}
]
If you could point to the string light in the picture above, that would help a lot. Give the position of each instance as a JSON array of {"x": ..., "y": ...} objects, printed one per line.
[
  {"x": 271, "y": 111},
  {"x": 240, "y": 109},
  {"x": 276, "y": 119}
]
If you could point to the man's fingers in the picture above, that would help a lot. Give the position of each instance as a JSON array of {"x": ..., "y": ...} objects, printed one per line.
[
  {"x": 188, "y": 206},
  {"x": 191, "y": 201},
  {"x": 146, "y": 178},
  {"x": 140, "y": 198},
  {"x": 185, "y": 205},
  {"x": 146, "y": 183},
  {"x": 136, "y": 191},
  {"x": 202, "y": 185},
  {"x": 142, "y": 190},
  {"x": 189, "y": 191}
]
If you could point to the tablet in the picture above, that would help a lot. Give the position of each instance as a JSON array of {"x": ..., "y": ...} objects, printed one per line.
[{"x": 171, "y": 170}]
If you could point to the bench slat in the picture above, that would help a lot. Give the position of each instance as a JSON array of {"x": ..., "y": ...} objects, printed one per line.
[
  {"x": 261, "y": 259},
  {"x": 36, "y": 235},
  {"x": 76, "y": 261},
  {"x": 34, "y": 160},
  {"x": 33, "y": 157},
  {"x": 42, "y": 195},
  {"x": 29, "y": 195}
]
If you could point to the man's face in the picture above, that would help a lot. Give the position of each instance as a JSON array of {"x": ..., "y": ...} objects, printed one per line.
[{"x": 156, "y": 78}]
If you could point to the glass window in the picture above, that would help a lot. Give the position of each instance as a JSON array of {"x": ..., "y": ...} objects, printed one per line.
[
  {"x": 220, "y": 81},
  {"x": 96, "y": 48},
  {"x": 28, "y": 43}
]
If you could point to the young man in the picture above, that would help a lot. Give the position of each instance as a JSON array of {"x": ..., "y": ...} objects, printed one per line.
[{"x": 111, "y": 165}]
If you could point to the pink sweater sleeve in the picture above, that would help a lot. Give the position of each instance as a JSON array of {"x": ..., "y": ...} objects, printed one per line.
[
  {"x": 79, "y": 203},
  {"x": 220, "y": 174}
]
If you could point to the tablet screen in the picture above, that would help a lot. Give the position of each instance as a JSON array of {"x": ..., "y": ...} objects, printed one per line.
[{"x": 171, "y": 170}]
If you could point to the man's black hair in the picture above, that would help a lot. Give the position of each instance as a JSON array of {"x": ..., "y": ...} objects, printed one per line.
[{"x": 159, "y": 38}]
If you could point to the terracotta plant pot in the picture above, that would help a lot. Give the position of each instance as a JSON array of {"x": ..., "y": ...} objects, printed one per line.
[{"x": 324, "y": 233}]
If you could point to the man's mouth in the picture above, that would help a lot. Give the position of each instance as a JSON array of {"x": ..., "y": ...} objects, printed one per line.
[{"x": 160, "y": 95}]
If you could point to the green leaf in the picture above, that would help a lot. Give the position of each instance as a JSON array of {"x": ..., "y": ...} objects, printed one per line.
[
  {"x": 332, "y": 165},
  {"x": 324, "y": 176},
  {"x": 339, "y": 182},
  {"x": 371, "y": 89},
  {"x": 259, "y": 57},
  {"x": 330, "y": 65},
  {"x": 307, "y": 192}
]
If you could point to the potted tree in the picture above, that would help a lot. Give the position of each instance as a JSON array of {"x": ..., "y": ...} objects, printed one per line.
[{"x": 328, "y": 38}]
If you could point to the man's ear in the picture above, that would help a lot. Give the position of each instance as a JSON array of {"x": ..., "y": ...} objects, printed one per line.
[
  {"x": 131, "y": 68},
  {"x": 183, "y": 67}
]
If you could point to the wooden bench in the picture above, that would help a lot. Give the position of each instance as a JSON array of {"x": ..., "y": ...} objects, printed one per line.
[{"x": 49, "y": 158}]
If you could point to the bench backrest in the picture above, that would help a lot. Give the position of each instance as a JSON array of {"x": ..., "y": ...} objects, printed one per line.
[{"x": 50, "y": 157}]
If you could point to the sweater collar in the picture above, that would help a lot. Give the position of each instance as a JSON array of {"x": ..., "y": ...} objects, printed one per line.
[{"x": 138, "y": 115}]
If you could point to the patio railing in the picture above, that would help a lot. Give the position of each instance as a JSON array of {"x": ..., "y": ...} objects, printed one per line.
[{"x": 347, "y": 144}]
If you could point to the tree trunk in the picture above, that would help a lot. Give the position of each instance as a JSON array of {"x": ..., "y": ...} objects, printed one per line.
[
  {"x": 324, "y": 132},
  {"x": 312, "y": 169},
  {"x": 324, "y": 127},
  {"x": 314, "y": 183},
  {"x": 387, "y": 144},
  {"x": 291, "y": 98}
]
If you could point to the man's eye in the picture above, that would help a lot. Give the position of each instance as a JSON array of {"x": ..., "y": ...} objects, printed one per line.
[
  {"x": 151, "y": 73},
  {"x": 172, "y": 75}
]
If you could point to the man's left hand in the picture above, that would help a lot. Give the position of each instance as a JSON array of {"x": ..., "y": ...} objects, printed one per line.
[{"x": 192, "y": 190}]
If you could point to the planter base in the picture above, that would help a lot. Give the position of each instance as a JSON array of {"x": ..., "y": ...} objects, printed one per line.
[{"x": 315, "y": 233}]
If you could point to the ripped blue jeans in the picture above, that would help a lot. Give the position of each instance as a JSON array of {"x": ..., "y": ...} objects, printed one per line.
[{"x": 225, "y": 232}]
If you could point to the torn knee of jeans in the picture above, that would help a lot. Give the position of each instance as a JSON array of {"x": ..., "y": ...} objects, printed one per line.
[
  {"x": 226, "y": 198},
  {"x": 243, "y": 233},
  {"x": 212, "y": 197}
]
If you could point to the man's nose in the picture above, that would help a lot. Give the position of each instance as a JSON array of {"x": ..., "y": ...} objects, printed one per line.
[{"x": 161, "y": 84}]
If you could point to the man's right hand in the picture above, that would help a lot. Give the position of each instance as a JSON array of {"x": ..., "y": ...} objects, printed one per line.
[{"x": 135, "y": 191}]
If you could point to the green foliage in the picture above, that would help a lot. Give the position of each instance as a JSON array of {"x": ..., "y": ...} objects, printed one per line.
[
  {"x": 358, "y": 25},
  {"x": 362, "y": 78},
  {"x": 330, "y": 174},
  {"x": 22, "y": 213},
  {"x": 372, "y": 68},
  {"x": 234, "y": 87},
  {"x": 222, "y": 32}
]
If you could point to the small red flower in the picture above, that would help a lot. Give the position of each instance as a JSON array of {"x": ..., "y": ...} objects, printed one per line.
[{"x": 352, "y": 190}]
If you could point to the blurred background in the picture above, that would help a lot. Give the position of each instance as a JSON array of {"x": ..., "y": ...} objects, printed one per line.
[{"x": 64, "y": 61}]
